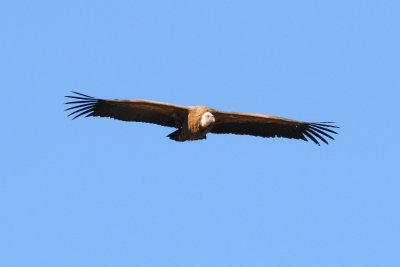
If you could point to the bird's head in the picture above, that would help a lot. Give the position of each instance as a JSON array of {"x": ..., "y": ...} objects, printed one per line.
[{"x": 207, "y": 119}]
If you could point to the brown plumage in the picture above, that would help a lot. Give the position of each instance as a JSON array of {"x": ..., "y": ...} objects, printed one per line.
[{"x": 194, "y": 122}]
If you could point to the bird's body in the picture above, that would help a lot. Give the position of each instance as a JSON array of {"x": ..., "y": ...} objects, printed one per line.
[
  {"x": 194, "y": 122},
  {"x": 196, "y": 126}
]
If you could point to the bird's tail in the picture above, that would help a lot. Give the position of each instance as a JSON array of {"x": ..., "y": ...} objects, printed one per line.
[{"x": 175, "y": 135}]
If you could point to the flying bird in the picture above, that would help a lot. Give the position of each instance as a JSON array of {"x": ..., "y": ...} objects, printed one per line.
[{"x": 195, "y": 122}]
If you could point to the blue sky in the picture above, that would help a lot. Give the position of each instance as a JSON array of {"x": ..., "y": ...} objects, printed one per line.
[{"x": 100, "y": 192}]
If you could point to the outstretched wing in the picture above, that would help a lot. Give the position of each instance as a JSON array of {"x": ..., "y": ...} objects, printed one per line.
[
  {"x": 128, "y": 110},
  {"x": 271, "y": 126}
]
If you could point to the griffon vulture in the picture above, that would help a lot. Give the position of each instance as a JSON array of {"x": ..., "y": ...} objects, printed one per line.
[{"x": 194, "y": 122}]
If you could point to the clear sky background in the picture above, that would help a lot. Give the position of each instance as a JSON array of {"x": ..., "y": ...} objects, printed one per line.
[{"x": 100, "y": 192}]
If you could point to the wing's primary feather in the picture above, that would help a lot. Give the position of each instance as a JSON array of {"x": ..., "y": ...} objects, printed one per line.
[
  {"x": 271, "y": 126},
  {"x": 128, "y": 110}
]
